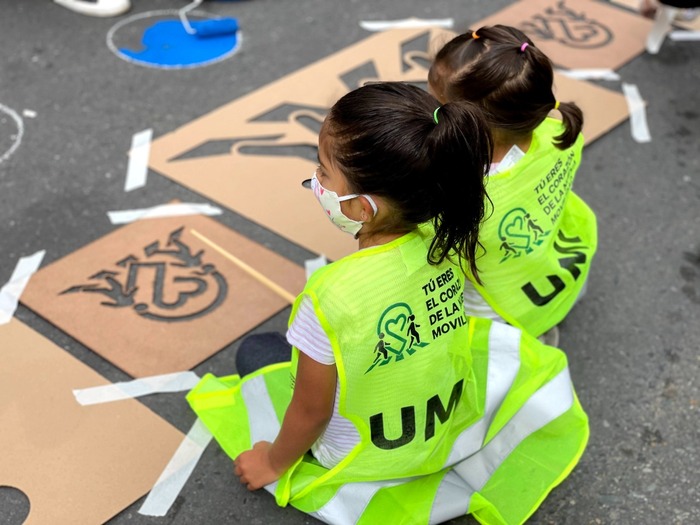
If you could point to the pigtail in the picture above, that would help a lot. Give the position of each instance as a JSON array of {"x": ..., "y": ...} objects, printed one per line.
[
  {"x": 508, "y": 76},
  {"x": 572, "y": 117},
  {"x": 460, "y": 149},
  {"x": 428, "y": 162}
]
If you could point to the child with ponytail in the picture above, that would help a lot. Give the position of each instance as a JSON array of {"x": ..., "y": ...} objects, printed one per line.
[
  {"x": 401, "y": 409},
  {"x": 539, "y": 237}
]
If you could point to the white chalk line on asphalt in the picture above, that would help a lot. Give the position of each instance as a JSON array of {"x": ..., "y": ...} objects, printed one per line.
[{"x": 20, "y": 131}]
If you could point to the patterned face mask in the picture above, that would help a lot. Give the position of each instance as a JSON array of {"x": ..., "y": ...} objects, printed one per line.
[{"x": 330, "y": 202}]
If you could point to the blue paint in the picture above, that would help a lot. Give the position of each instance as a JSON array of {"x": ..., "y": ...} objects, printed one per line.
[{"x": 167, "y": 44}]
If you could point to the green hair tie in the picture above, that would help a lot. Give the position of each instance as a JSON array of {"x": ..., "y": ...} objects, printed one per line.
[{"x": 435, "y": 114}]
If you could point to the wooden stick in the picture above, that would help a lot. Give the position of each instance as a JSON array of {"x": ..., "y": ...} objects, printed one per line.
[{"x": 284, "y": 294}]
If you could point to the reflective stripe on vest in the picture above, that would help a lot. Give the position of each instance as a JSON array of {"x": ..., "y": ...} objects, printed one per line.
[
  {"x": 504, "y": 363},
  {"x": 471, "y": 474},
  {"x": 262, "y": 421},
  {"x": 351, "y": 500}
]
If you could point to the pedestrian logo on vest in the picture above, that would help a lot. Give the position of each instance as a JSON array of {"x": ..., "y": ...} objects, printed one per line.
[
  {"x": 519, "y": 234},
  {"x": 397, "y": 334}
]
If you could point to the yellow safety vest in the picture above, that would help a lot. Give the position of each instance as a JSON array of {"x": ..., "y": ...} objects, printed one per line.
[
  {"x": 455, "y": 415},
  {"x": 539, "y": 236}
]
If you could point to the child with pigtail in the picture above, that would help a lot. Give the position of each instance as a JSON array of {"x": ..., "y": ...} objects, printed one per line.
[{"x": 538, "y": 237}]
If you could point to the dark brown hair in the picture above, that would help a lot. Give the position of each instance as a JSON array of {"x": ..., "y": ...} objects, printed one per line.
[
  {"x": 511, "y": 82},
  {"x": 387, "y": 143}
]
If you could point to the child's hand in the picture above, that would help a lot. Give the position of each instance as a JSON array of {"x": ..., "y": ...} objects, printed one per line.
[
  {"x": 307, "y": 416},
  {"x": 254, "y": 468}
]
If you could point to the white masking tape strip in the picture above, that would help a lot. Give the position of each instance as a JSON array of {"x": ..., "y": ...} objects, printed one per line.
[
  {"x": 590, "y": 74},
  {"x": 684, "y": 36},
  {"x": 164, "y": 210},
  {"x": 138, "y": 160},
  {"x": 663, "y": 22},
  {"x": 311, "y": 265},
  {"x": 408, "y": 23},
  {"x": 144, "y": 386},
  {"x": 638, "y": 113},
  {"x": 177, "y": 472},
  {"x": 12, "y": 290}
]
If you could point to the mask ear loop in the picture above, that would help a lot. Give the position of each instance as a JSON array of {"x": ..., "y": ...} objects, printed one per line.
[
  {"x": 356, "y": 195},
  {"x": 308, "y": 184},
  {"x": 371, "y": 203}
]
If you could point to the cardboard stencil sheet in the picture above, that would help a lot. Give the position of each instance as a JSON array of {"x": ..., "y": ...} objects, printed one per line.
[
  {"x": 577, "y": 33},
  {"x": 74, "y": 463},
  {"x": 151, "y": 298},
  {"x": 252, "y": 154}
]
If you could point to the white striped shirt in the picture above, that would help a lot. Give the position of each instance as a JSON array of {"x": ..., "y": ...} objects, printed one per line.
[{"x": 476, "y": 306}]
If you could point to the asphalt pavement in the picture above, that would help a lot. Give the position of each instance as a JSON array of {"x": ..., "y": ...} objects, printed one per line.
[{"x": 632, "y": 341}]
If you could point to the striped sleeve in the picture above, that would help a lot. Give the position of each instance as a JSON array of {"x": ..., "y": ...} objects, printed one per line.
[{"x": 308, "y": 336}]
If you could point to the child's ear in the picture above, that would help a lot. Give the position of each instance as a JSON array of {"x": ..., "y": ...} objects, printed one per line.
[{"x": 367, "y": 212}]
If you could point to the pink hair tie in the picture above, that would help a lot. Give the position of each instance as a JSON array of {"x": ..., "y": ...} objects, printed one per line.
[{"x": 523, "y": 47}]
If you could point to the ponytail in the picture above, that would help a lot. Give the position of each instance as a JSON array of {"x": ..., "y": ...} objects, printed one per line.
[
  {"x": 572, "y": 117},
  {"x": 427, "y": 161},
  {"x": 460, "y": 150},
  {"x": 508, "y": 76}
]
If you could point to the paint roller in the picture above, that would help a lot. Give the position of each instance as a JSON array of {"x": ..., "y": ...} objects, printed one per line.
[{"x": 206, "y": 28}]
